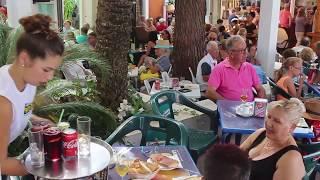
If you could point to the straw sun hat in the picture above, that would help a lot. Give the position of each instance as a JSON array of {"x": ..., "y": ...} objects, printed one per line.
[
  {"x": 163, "y": 44},
  {"x": 312, "y": 109}
]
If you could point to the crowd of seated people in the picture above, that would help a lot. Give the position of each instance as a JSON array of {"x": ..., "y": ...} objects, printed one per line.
[{"x": 87, "y": 36}]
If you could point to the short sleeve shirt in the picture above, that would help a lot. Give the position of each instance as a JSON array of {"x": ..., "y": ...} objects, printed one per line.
[
  {"x": 164, "y": 63},
  {"x": 229, "y": 81}
]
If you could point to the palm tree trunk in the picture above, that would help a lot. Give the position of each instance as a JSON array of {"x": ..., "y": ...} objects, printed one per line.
[
  {"x": 189, "y": 36},
  {"x": 114, "y": 25}
]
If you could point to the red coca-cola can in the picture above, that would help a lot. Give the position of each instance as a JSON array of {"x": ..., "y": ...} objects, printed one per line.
[
  {"x": 69, "y": 144},
  {"x": 157, "y": 85},
  {"x": 52, "y": 144}
]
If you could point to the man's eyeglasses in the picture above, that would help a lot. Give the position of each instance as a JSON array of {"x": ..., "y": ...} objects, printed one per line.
[{"x": 239, "y": 50}]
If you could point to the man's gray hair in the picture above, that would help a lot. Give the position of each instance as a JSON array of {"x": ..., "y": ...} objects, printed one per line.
[
  {"x": 211, "y": 45},
  {"x": 231, "y": 41}
]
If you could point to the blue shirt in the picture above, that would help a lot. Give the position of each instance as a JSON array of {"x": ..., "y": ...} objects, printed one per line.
[
  {"x": 164, "y": 63},
  {"x": 261, "y": 74}
]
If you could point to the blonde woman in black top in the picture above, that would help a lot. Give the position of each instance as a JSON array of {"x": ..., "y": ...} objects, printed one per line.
[{"x": 273, "y": 151}]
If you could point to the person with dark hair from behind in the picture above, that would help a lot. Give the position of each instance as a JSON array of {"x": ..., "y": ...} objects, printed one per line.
[
  {"x": 226, "y": 162},
  {"x": 251, "y": 27},
  {"x": 222, "y": 33},
  {"x": 288, "y": 53},
  {"x": 150, "y": 50},
  {"x": 305, "y": 42},
  {"x": 83, "y": 38},
  {"x": 38, "y": 55},
  {"x": 219, "y": 23}
]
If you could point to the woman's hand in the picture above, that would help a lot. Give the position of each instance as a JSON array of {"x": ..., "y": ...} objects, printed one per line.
[
  {"x": 35, "y": 118},
  {"x": 302, "y": 78}
]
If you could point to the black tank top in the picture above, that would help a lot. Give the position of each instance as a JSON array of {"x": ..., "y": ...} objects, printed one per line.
[{"x": 265, "y": 168}]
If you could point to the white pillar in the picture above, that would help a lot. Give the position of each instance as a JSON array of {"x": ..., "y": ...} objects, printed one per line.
[
  {"x": 88, "y": 12},
  {"x": 145, "y": 8},
  {"x": 292, "y": 7},
  {"x": 18, "y": 9},
  {"x": 208, "y": 11},
  {"x": 217, "y": 12},
  {"x": 268, "y": 31}
]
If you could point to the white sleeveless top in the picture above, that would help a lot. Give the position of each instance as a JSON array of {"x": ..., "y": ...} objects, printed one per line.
[
  {"x": 206, "y": 59},
  {"x": 21, "y": 102}
]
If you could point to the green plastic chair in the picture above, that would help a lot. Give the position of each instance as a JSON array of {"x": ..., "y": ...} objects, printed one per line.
[
  {"x": 174, "y": 132},
  {"x": 308, "y": 148},
  {"x": 312, "y": 166},
  {"x": 199, "y": 140}
]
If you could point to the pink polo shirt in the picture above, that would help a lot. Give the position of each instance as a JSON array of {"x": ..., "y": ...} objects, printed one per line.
[{"x": 229, "y": 82}]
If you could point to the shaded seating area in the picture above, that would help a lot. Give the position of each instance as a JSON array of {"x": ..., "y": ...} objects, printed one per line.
[
  {"x": 173, "y": 132},
  {"x": 199, "y": 140}
]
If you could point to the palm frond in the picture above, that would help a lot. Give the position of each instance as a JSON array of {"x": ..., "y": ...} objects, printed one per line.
[
  {"x": 12, "y": 42},
  {"x": 61, "y": 90},
  {"x": 4, "y": 32},
  {"x": 57, "y": 88},
  {"x": 69, "y": 6},
  {"x": 81, "y": 52},
  {"x": 103, "y": 120}
]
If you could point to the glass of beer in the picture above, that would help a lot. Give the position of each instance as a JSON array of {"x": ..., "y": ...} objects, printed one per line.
[
  {"x": 122, "y": 166},
  {"x": 244, "y": 95}
]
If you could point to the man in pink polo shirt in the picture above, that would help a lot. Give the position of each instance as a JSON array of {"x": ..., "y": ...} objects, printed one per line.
[{"x": 230, "y": 78}]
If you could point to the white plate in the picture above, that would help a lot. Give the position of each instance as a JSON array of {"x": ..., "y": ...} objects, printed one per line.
[
  {"x": 165, "y": 168},
  {"x": 245, "y": 110}
]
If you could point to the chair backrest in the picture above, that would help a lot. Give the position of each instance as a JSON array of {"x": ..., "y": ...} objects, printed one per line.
[
  {"x": 309, "y": 148},
  {"x": 162, "y": 105},
  {"x": 194, "y": 80},
  {"x": 170, "y": 69},
  {"x": 174, "y": 132},
  {"x": 147, "y": 85},
  {"x": 311, "y": 164},
  {"x": 165, "y": 76},
  {"x": 277, "y": 90}
]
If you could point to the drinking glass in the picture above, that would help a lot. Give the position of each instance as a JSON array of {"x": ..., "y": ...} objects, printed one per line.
[
  {"x": 36, "y": 149},
  {"x": 122, "y": 166},
  {"x": 244, "y": 95},
  {"x": 83, "y": 127}
]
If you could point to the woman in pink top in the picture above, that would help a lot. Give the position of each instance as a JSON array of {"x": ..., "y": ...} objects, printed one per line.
[
  {"x": 285, "y": 17},
  {"x": 291, "y": 68}
]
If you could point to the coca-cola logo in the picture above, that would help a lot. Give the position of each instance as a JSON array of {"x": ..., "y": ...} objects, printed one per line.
[
  {"x": 71, "y": 144},
  {"x": 259, "y": 105}
]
